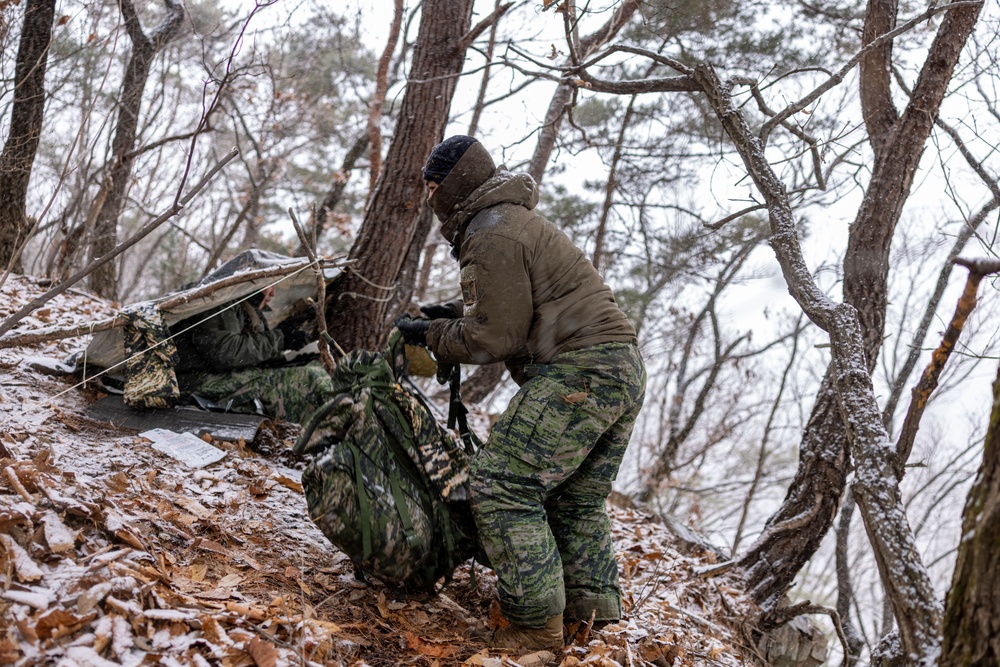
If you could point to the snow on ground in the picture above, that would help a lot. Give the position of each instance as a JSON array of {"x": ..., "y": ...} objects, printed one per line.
[{"x": 112, "y": 553}]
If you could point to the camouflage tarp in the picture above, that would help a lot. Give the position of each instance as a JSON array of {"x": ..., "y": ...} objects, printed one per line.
[{"x": 107, "y": 349}]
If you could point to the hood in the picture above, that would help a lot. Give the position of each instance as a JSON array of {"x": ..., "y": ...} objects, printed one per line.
[
  {"x": 502, "y": 187},
  {"x": 473, "y": 169}
]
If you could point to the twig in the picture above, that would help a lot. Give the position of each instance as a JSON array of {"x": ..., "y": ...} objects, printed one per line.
[
  {"x": 323, "y": 337},
  {"x": 174, "y": 209},
  {"x": 733, "y": 216}
]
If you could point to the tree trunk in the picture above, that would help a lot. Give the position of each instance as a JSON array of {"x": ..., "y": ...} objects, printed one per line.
[
  {"x": 786, "y": 544},
  {"x": 25, "y": 129},
  {"x": 972, "y": 612},
  {"x": 358, "y": 311},
  {"x": 144, "y": 49}
]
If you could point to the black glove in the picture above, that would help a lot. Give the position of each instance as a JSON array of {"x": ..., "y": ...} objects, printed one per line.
[
  {"x": 439, "y": 311},
  {"x": 293, "y": 336},
  {"x": 414, "y": 331}
]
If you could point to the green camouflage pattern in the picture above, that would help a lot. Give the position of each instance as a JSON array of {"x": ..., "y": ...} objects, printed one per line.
[
  {"x": 387, "y": 484},
  {"x": 540, "y": 484},
  {"x": 150, "y": 380},
  {"x": 291, "y": 393}
]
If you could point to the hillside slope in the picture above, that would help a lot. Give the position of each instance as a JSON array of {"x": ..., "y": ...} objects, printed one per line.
[{"x": 112, "y": 553}]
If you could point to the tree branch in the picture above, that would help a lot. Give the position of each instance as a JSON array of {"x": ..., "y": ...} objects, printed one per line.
[
  {"x": 929, "y": 379},
  {"x": 468, "y": 38},
  {"x": 838, "y": 77}
]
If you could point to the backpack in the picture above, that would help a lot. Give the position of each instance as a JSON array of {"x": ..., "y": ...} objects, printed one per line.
[{"x": 387, "y": 484}]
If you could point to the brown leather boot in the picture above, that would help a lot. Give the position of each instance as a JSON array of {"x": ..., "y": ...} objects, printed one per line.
[{"x": 514, "y": 637}]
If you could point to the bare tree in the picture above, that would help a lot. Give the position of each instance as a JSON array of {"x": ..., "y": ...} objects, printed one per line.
[
  {"x": 897, "y": 141},
  {"x": 111, "y": 198},
  {"x": 563, "y": 95},
  {"x": 27, "y": 114}
]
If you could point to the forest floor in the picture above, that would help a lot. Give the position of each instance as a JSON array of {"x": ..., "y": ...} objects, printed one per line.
[{"x": 113, "y": 553}]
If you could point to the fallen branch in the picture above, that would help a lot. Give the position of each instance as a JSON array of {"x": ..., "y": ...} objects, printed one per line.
[
  {"x": 174, "y": 209},
  {"x": 59, "y": 333},
  {"x": 978, "y": 269},
  {"x": 318, "y": 305}
]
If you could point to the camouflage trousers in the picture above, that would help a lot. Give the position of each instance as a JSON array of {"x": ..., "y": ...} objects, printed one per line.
[
  {"x": 291, "y": 393},
  {"x": 540, "y": 484}
]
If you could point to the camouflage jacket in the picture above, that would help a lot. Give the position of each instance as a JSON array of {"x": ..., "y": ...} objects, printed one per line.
[
  {"x": 233, "y": 338},
  {"x": 528, "y": 292}
]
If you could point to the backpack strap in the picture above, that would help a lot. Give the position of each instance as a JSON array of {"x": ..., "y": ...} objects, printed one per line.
[
  {"x": 458, "y": 414},
  {"x": 404, "y": 515},
  {"x": 364, "y": 503}
]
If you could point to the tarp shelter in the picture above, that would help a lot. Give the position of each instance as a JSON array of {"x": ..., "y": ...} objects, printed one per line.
[{"x": 244, "y": 274}]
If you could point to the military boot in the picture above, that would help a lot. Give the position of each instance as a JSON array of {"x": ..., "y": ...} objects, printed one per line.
[{"x": 515, "y": 637}]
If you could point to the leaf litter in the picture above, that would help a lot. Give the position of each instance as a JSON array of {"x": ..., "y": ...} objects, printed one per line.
[{"x": 114, "y": 554}]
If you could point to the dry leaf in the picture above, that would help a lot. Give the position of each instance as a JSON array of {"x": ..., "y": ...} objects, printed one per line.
[
  {"x": 575, "y": 397},
  {"x": 537, "y": 659},
  {"x": 428, "y": 647},
  {"x": 57, "y": 534},
  {"x": 198, "y": 572},
  {"x": 194, "y": 507},
  {"x": 230, "y": 581},
  {"x": 262, "y": 652},
  {"x": 483, "y": 659},
  {"x": 213, "y": 632},
  {"x": 118, "y": 482},
  {"x": 54, "y": 623},
  {"x": 254, "y": 613},
  {"x": 24, "y": 565},
  {"x": 290, "y": 483}
]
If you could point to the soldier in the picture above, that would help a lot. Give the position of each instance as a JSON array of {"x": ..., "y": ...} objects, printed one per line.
[
  {"x": 231, "y": 355},
  {"x": 533, "y": 300}
]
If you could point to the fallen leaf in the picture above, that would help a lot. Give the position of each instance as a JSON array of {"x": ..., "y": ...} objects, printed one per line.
[
  {"x": 118, "y": 482},
  {"x": 194, "y": 507},
  {"x": 24, "y": 565},
  {"x": 380, "y": 604},
  {"x": 230, "y": 581},
  {"x": 537, "y": 659},
  {"x": 213, "y": 632},
  {"x": 290, "y": 483},
  {"x": 430, "y": 648},
  {"x": 483, "y": 659},
  {"x": 57, "y": 623},
  {"x": 262, "y": 652},
  {"x": 57, "y": 534}
]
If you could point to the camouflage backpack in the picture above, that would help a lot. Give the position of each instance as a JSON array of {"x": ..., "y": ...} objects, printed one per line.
[{"x": 387, "y": 484}]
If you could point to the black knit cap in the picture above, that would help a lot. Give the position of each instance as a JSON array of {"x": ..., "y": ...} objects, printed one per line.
[{"x": 445, "y": 156}]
